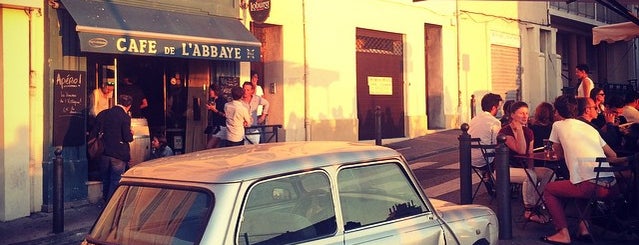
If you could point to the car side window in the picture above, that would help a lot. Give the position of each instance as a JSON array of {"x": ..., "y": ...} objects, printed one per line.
[
  {"x": 376, "y": 193},
  {"x": 288, "y": 210}
]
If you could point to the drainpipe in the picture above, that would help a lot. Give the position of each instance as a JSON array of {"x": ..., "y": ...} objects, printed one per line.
[
  {"x": 307, "y": 120},
  {"x": 459, "y": 93}
]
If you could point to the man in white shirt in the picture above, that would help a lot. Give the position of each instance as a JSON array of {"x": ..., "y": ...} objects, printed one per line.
[
  {"x": 237, "y": 117},
  {"x": 254, "y": 79},
  {"x": 100, "y": 98},
  {"x": 485, "y": 125},
  {"x": 254, "y": 102},
  {"x": 579, "y": 144},
  {"x": 630, "y": 111}
]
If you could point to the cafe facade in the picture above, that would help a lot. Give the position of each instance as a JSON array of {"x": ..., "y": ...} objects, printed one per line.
[
  {"x": 325, "y": 67},
  {"x": 173, "y": 52}
]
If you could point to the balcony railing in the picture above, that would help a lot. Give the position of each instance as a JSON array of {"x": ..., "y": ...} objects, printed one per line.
[{"x": 589, "y": 10}]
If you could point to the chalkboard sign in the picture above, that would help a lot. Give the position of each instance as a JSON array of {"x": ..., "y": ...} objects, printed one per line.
[
  {"x": 225, "y": 84},
  {"x": 69, "y": 108}
]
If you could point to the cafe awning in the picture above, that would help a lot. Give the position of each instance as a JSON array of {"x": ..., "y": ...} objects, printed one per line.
[
  {"x": 107, "y": 27},
  {"x": 625, "y": 31}
]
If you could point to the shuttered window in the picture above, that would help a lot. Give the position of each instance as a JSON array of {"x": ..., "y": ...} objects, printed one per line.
[{"x": 505, "y": 61}]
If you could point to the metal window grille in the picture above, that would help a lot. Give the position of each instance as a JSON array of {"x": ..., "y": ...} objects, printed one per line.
[{"x": 378, "y": 45}]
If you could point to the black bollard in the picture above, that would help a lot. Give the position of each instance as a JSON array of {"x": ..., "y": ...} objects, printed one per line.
[
  {"x": 58, "y": 192},
  {"x": 504, "y": 213},
  {"x": 378, "y": 125},
  {"x": 465, "y": 178}
]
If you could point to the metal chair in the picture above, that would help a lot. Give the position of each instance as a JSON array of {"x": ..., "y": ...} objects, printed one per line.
[
  {"x": 485, "y": 172},
  {"x": 613, "y": 209}
]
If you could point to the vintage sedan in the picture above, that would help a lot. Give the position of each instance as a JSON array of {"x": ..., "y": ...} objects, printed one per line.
[{"x": 280, "y": 193}]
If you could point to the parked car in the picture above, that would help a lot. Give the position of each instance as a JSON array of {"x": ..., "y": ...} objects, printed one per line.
[{"x": 294, "y": 192}]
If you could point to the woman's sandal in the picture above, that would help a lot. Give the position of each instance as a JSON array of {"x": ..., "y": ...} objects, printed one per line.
[{"x": 532, "y": 215}]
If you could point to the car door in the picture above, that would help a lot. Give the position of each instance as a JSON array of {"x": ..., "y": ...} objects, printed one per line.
[
  {"x": 381, "y": 205},
  {"x": 296, "y": 208}
]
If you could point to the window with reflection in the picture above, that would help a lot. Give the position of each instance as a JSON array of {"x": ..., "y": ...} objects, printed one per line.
[
  {"x": 376, "y": 193},
  {"x": 288, "y": 209},
  {"x": 153, "y": 215}
]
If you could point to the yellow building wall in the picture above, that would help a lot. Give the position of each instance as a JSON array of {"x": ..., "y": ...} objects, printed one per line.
[
  {"x": 319, "y": 64},
  {"x": 482, "y": 24},
  {"x": 21, "y": 109}
]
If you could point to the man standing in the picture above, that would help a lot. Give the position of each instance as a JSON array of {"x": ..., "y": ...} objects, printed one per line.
[
  {"x": 100, "y": 97},
  {"x": 254, "y": 103},
  {"x": 585, "y": 83},
  {"x": 116, "y": 126},
  {"x": 139, "y": 103},
  {"x": 237, "y": 117},
  {"x": 254, "y": 79}
]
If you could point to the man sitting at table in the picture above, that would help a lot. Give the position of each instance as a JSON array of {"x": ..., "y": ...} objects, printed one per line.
[
  {"x": 485, "y": 127},
  {"x": 631, "y": 110},
  {"x": 587, "y": 111},
  {"x": 580, "y": 144}
]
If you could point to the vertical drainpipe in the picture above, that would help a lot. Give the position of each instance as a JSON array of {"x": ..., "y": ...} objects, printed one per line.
[
  {"x": 307, "y": 121},
  {"x": 459, "y": 91}
]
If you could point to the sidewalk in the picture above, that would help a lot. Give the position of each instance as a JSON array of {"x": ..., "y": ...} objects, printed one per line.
[{"x": 37, "y": 228}]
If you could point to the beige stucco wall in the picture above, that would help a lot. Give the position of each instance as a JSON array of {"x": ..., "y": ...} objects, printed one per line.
[
  {"x": 21, "y": 109},
  {"x": 482, "y": 24},
  {"x": 319, "y": 61}
]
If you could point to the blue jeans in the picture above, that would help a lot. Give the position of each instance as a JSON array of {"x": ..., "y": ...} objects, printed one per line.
[{"x": 111, "y": 170}]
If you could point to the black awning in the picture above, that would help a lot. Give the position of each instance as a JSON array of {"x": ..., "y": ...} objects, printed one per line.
[{"x": 106, "y": 27}]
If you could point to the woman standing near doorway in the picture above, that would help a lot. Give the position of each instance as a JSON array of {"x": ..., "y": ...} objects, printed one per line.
[{"x": 216, "y": 129}]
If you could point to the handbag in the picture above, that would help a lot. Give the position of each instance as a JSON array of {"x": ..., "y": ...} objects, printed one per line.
[{"x": 95, "y": 146}]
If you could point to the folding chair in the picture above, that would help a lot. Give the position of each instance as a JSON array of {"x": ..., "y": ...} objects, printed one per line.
[
  {"x": 485, "y": 172},
  {"x": 612, "y": 209}
]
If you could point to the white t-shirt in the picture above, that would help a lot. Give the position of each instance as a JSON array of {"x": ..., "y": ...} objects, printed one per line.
[
  {"x": 99, "y": 101},
  {"x": 485, "y": 127},
  {"x": 631, "y": 114},
  {"x": 259, "y": 91},
  {"x": 580, "y": 89},
  {"x": 582, "y": 144},
  {"x": 236, "y": 114}
]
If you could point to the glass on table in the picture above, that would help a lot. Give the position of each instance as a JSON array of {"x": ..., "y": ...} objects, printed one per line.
[{"x": 548, "y": 151}]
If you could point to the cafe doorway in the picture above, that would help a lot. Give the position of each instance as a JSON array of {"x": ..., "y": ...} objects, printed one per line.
[{"x": 162, "y": 83}]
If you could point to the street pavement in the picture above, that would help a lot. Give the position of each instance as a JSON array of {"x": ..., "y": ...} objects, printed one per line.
[{"x": 433, "y": 157}]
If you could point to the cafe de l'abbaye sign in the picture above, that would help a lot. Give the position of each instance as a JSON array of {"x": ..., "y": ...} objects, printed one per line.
[{"x": 259, "y": 10}]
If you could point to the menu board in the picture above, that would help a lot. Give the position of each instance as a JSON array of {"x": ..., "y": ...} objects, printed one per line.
[
  {"x": 226, "y": 83},
  {"x": 69, "y": 107}
]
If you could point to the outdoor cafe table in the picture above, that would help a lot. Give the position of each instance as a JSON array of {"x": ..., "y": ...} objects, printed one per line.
[{"x": 551, "y": 161}]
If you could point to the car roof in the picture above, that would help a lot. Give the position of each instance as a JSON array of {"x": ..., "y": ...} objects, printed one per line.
[{"x": 234, "y": 164}]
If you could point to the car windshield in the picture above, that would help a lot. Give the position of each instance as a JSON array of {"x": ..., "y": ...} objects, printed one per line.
[{"x": 153, "y": 215}]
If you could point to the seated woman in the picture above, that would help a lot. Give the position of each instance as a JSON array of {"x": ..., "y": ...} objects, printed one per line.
[
  {"x": 541, "y": 124},
  {"x": 599, "y": 97},
  {"x": 519, "y": 140},
  {"x": 159, "y": 147}
]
